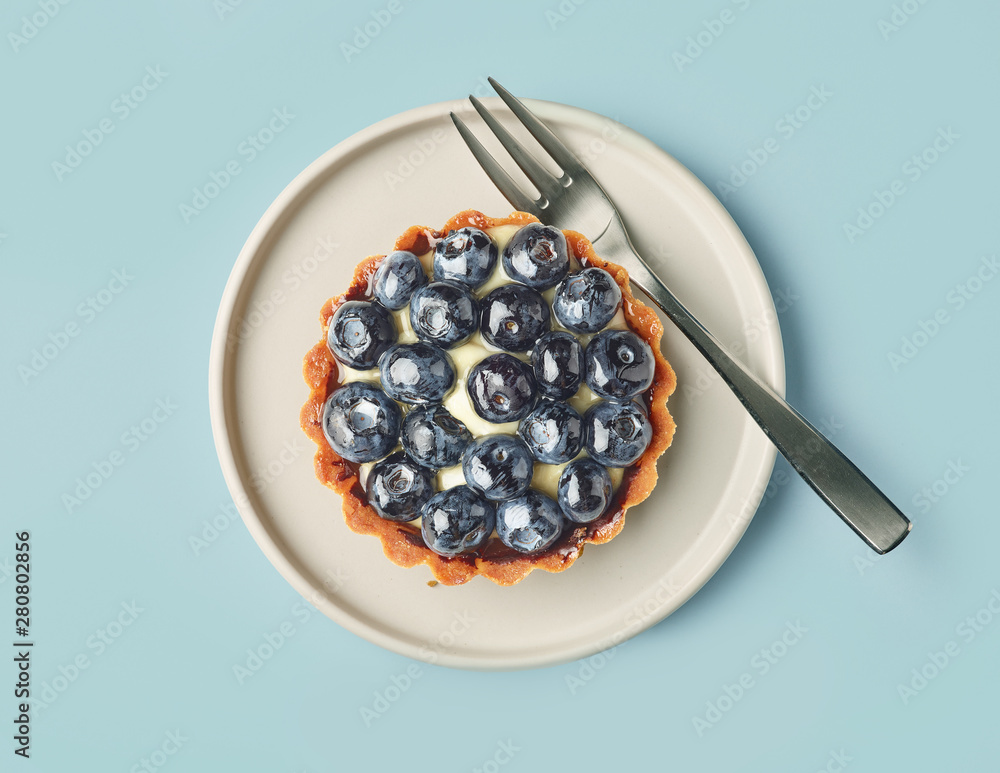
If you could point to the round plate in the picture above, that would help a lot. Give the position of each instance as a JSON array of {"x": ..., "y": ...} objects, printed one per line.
[{"x": 352, "y": 202}]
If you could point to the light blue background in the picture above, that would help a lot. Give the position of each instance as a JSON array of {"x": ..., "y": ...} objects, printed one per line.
[{"x": 836, "y": 689}]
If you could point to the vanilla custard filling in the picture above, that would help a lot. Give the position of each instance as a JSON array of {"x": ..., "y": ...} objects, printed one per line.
[{"x": 464, "y": 357}]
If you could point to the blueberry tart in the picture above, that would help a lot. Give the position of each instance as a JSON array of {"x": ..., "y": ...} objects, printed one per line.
[{"x": 488, "y": 398}]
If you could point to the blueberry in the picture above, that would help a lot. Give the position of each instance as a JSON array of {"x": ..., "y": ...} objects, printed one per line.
[
  {"x": 361, "y": 422},
  {"x": 498, "y": 466},
  {"x": 467, "y": 255},
  {"x": 553, "y": 432},
  {"x": 444, "y": 313},
  {"x": 360, "y": 332},
  {"x": 433, "y": 437},
  {"x": 619, "y": 365},
  {"x": 530, "y": 523},
  {"x": 584, "y": 491},
  {"x": 398, "y": 487},
  {"x": 396, "y": 279},
  {"x": 557, "y": 361},
  {"x": 457, "y": 521},
  {"x": 586, "y": 301},
  {"x": 502, "y": 388},
  {"x": 417, "y": 373},
  {"x": 617, "y": 434},
  {"x": 514, "y": 317},
  {"x": 537, "y": 255}
]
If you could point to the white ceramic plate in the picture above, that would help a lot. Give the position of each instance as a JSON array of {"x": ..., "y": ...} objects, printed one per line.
[{"x": 413, "y": 169}]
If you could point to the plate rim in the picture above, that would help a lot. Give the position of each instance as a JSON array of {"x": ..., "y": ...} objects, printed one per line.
[{"x": 772, "y": 354}]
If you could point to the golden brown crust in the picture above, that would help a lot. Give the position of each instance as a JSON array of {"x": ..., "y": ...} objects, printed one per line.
[{"x": 402, "y": 542}]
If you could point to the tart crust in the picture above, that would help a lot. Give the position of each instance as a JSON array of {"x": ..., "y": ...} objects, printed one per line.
[{"x": 402, "y": 542}]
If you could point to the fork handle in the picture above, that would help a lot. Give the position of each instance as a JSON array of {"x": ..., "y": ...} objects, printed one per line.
[{"x": 833, "y": 476}]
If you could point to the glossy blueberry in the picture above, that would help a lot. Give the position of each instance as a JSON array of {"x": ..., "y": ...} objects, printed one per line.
[
  {"x": 502, "y": 388},
  {"x": 530, "y": 523},
  {"x": 398, "y": 487},
  {"x": 617, "y": 434},
  {"x": 619, "y": 365},
  {"x": 557, "y": 361},
  {"x": 433, "y": 437},
  {"x": 444, "y": 313},
  {"x": 457, "y": 521},
  {"x": 359, "y": 333},
  {"x": 361, "y": 422},
  {"x": 467, "y": 255},
  {"x": 553, "y": 432},
  {"x": 537, "y": 255},
  {"x": 417, "y": 373},
  {"x": 498, "y": 466},
  {"x": 397, "y": 278},
  {"x": 584, "y": 491},
  {"x": 514, "y": 317},
  {"x": 586, "y": 301}
]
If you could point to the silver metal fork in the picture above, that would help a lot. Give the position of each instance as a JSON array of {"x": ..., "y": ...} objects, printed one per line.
[{"x": 576, "y": 200}]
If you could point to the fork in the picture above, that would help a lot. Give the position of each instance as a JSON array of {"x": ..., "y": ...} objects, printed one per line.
[{"x": 576, "y": 200}]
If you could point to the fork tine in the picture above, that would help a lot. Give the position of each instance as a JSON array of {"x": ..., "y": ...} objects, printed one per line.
[
  {"x": 540, "y": 177},
  {"x": 506, "y": 185},
  {"x": 552, "y": 144}
]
